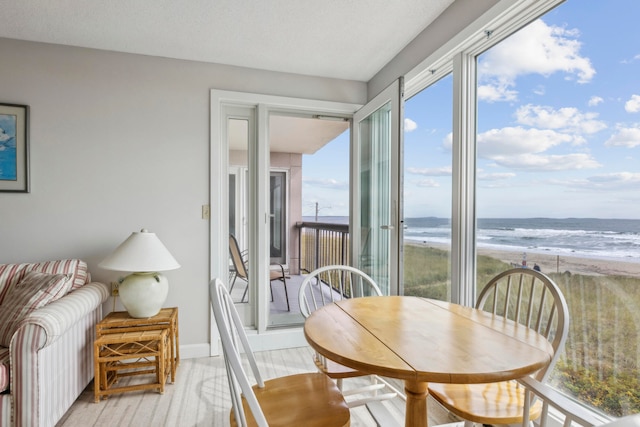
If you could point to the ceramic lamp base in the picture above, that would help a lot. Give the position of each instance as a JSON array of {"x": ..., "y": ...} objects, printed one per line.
[{"x": 143, "y": 294}]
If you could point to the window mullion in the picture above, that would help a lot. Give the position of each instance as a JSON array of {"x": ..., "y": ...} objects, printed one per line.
[{"x": 463, "y": 221}]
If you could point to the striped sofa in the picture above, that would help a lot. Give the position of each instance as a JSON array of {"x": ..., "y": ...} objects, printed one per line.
[{"x": 48, "y": 314}]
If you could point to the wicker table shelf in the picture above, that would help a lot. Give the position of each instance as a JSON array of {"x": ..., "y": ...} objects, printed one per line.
[{"x": 127, "y": 346}]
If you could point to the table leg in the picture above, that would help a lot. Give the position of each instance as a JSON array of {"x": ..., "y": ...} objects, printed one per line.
[{"x": 416, "y": 406}]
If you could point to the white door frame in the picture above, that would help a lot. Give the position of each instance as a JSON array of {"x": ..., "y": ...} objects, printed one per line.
[{"x": 258, "y": 200}]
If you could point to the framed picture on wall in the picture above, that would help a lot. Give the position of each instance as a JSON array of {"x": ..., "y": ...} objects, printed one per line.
[{"x": 14, "y": 148}]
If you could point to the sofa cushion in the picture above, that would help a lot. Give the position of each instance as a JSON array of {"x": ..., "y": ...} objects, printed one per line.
[
  {"x": 4, "y": 369},
  {"x": 76, "y": 267},
  {"x": 10, "y": 274},
  {"x": 34, "y": 291}
]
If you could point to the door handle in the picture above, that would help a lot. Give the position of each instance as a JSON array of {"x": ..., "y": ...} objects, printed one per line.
[{"x": 386, "y": 227}]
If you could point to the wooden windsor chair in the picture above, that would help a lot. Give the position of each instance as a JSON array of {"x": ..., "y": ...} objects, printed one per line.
[
  {"x": 530, "y": 298},
  {"x": 334, "y": 283},
  {"x": 309, "y": 399}
]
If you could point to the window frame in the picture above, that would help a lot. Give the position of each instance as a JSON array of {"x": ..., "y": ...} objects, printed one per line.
[{"x": 459, "y": 56}]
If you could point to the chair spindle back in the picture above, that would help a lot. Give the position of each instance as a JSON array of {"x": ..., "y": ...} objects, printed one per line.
[
  {"x": 334, "y": 283},
  {"x": 530, "y": 298},
  {"x": 234, "y": 340}
]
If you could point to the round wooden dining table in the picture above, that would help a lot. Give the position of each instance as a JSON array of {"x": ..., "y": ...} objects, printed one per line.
[{"x": 420, "y": 340}]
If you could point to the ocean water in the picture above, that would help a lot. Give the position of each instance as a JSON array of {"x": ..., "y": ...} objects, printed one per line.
[
  {"x": 583, "y": 237},
  {"x": 587, "y": 237}
]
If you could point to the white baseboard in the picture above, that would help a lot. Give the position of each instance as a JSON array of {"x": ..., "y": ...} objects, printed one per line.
[
  {"x": 193, "y": 351},
  {"x": 271, "y": 340}
]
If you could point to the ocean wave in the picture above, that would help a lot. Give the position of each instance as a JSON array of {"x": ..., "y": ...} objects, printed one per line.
[{"x": 590, "y": 238}]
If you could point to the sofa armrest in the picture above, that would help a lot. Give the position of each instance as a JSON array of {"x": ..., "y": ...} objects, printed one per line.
[{"x": 55, "y": 318}]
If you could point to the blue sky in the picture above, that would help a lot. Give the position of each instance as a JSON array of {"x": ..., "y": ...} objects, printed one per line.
[{"x": 558, "y": 125}]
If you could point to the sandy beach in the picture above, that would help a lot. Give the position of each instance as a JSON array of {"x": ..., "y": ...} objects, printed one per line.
[
  {"x": 560, "y": 263},
  {"x": 551, "y": 263}
]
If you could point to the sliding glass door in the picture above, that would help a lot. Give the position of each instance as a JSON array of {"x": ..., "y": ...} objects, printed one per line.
[{"x": 376, "y": 218}]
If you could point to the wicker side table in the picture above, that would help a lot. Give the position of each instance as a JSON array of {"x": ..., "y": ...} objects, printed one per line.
[
  {"x": 167, "y": 318},
  {"x": 123, "y": 354}
]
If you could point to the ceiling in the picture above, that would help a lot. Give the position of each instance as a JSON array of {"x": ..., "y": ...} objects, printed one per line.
[
  {"x": 345, "y": 39},
  {"x": 304, "y": 135}
]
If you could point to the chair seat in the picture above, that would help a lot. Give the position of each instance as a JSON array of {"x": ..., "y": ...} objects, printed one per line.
[
  {"x": 494, "y": 403},
  {"x": 275, "y": 274},
  {"x": 287, "y": 401}
]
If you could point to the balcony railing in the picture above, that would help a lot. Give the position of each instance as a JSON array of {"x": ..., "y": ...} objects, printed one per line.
[{"x": 322, "y": 244}]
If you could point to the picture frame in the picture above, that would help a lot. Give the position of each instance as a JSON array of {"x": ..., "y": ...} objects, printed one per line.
[{"x": 14, "y": 148}]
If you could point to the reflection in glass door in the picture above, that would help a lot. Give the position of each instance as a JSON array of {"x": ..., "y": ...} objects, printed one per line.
[
  {"x": 278, "y": 218},
  {"x": 238, "y": 135},
  {"x": 375, "y": 204}
]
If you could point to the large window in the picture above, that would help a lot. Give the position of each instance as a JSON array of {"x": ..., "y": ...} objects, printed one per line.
[
  {"x": 545, "y": 150},
  {"x": 557, "y": 183},
  {"x": 427, "y": 192}
]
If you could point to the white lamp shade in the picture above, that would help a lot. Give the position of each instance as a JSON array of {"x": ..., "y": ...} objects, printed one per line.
[{"x": 141, "y": 252}]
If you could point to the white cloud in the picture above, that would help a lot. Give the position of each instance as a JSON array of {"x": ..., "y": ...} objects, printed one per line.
[
  {"x": 447, "y": 143},
  {"x": 410, "y": 125},
  {"x": 539, "y": 90},
  {"x": 624, "y": 137},
  {"x": 429, "y": 183},
  {"x": 443, "y": 171},
  {"x": 517, "y": 140},
  {"x": 520, "y": 148},
  {"x": 495, "y": 176},
  {"x": 617, "y": 177},
  {"x": 632, "y": 105},
  {"x": 523, "y": 149},
  {"x": 556, "y": 162},
  {"x": 538, "y": 48},
  {"x": 595, "y": 100},
  {"x": 496, "y": 92},
  {"x": 629, "y": 61},
  {"x": 609, "y": 181},
  {"x": 568, "y": 118},
  {"x": 326, "y": 183}
]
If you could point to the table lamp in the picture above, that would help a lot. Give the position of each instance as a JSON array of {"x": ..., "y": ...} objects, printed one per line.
[{"x": 145, "y": 290}]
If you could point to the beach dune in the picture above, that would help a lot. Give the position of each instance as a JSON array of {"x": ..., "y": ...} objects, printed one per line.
[{"x": 552, "y": 263}]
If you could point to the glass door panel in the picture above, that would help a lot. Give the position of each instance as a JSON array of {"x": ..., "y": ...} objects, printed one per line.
[
  {"x": 238, "y": 134},
  {"x": 375, "y": 203},
  {"x": 375, "y": 222}
]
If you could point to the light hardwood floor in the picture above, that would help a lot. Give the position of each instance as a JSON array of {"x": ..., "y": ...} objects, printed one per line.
[{"x": 200, "y": 397}]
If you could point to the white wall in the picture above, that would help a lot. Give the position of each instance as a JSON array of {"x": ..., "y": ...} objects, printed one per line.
[{"x": 120, "y": 142}]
